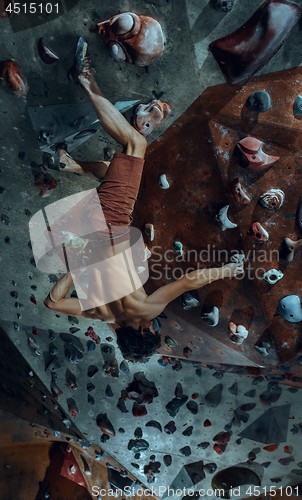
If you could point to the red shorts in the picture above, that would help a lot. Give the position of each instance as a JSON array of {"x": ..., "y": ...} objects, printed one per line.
[{"x": 119, "y": 189}]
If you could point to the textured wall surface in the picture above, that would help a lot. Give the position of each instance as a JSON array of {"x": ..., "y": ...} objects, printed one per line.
[{"x": 179, "y": 77}]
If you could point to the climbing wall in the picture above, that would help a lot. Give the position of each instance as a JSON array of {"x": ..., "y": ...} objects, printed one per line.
[
  {"x": 170, "y": 421},
  {"x": 199, "y": 156}
]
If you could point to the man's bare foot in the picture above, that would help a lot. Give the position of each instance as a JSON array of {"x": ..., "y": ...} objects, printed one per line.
[{"x": 232, "y": 269}]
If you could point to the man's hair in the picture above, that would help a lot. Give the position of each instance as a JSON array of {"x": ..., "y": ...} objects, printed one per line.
[{"x": 136, "y": 345}]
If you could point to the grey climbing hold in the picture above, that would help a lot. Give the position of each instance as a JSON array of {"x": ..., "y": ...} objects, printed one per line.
[
  {"x": 290, "y": 308},
  {"x": 189, "y": 301},
  {"x": 223, "y": 5},
  {"x": 298, "y": 106},
  {"x": 212, "y": 317},
  {"x": 178, "y": 247},
  {"x": 259, "y": 101},
  {"x": 163, "y": 182}
]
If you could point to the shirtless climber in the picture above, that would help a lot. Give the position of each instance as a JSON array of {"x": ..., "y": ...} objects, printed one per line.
[{"x": 132, "y": 314}]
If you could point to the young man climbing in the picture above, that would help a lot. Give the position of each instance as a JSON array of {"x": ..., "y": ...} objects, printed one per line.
[{"x": 133, "y": 313}]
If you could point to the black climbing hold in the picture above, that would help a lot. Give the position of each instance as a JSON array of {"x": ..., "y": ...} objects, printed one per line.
[
  {"x": 154, "y": 423},
  {"x": 204, "y": 445},
  {"x": 257, "y": 380},
  {"x": 223, "y": 5},
  {"x": 210, "y": 468},
  {"x": 248, "y": 406},
  {"x": 74, "y": 329},
  {"x": 167, "y": 460},
  {"x": 92, "y": 370},
  {"x": 218, "y": 375},
  {"x": 259, "y": 101},
  {"x": 124, "y": 367},
  {"x": 170, "y": 427},
  {"x": 121, "y": 406},
  {"x": 121, "y": 430},
  {"x": 90, "y": 399},
  {"x": 252, "y": 456},
  {"x": 138, "y": 433},
  {"x": 91, "y": 346},
  {"x": 73, "y": 320},
  {"x": 136, "y": 466},
  {"x": 188, "y": 431},
  {"x": 213, "y": 397},
  {"x": 137, "y": 456},
  {"x": 137, "y": 445},
  {"x": 174, "y": 405},
  {"x": 251, "y": 393},
  {"x": 90, "y": 387},
  {"x": 108, "y": 391},
  {"x": 186, "y": 451},
  {"x": 192, "y": 407},
  {"x": 14, "y": 294},
  {"x": 178, "y": 391}
]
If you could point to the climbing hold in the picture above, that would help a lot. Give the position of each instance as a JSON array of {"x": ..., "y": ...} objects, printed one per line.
[
  {"x": 257, "y": 232},
  {"x": 170, "y": 427},
  {"x": 251, "y": 393},
  {"x": 204, "y": 445},
  {"x": 272, "y": 276},
  {"x": 186, "y": 451},
  {"x": 137, "y": 445},
  {"x": 124, "y": 367},
  {"x": 188, "y": 431},
  {"x": 178, "y": 391},
  {"x": 207, "y": 423},
  {"x": 253, "y": 156},
  {"x": 178, "y": 247},
  {"x": 174, "y": 405},
  {"x": 46, "y": 54},
  {"x": 234, "y": 389},
  {"x": 298, "y": 106},
  {"x": 136, "y": 39},
  {"x": 92, "y": 370},
  {"x": 247, "y": 406},
  {"x": 192, "y": 407},
  {"x": 239, "y": 193},
  {"x": 149, "y": 116},
  {"x": 104, "y": 424},
  {"x": 91, "y": 333},
  {"x": 108, "y": 391},
  {"x": 289, "y": 248},
  {"x": 259, "y": 101},
  {"x": 149, "y": 231},
  {"x": 170, "y": 342},
  {"x": 154, "y": 423},
  {"x": 211, "y": 317},
  {"x": 189, "y": 301},
  {"x": 91, "y": 346},
  {"x": 138, "y": 410},
  {"x": 210, "y": 468},
  {"x": 186, "y": 352},
  {"x": 163, "y": 182},
  {"x": 238, "y": 333},
  {"x": 122, "y": 406},
  {"x": 11, "y": 75},
  {"x": 167, "y": 460},
  {"x": 213, "y": 397},
  {"x": 290, "y": 308},
  {"x": 223, "y": 5},
  {"x": 72, "y": 407},
  {"x": 272, "y": 199},
  {"x": 262, "y": 350},
  {"x": 243, "y": 52},
  {"x": 224, "y": 220}
]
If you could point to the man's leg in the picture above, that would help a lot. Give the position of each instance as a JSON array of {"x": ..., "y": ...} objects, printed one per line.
[
  {"x": 94, "y": 169},
  {"x": 113, "y": 122}
]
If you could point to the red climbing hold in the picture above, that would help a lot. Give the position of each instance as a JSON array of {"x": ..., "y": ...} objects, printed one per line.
[{"x": 271, "y": 447}]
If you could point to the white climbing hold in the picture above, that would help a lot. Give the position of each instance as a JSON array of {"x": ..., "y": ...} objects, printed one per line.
[
  {"x": 163, "y": 182},
  {"x": 224, "y": 220}
]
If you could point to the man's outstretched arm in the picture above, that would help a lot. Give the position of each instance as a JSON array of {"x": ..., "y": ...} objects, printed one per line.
[
  {"x": 191, "y": 281},
  {"x": 57, "y": 300}
]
